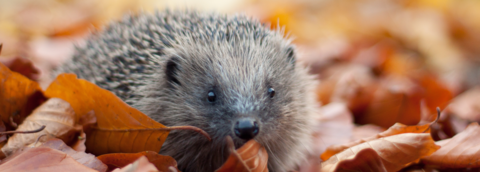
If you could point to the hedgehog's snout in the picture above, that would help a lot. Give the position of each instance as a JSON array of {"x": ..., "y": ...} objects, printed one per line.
[{"x": 246, "y": 128}]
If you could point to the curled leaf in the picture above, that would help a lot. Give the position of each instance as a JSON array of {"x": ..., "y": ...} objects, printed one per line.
[
  {"x": 461, "y": 151},
  {"x": 393, "y": 130},
  {"x": 120, "y": 128},
  {"x": 18, "y": 97},
  {"x": 395, "y": 151},
  {"x": 58, "y": 117},
  {"x": 365, "y": 160},
  {"x": 251, "y": 157}
]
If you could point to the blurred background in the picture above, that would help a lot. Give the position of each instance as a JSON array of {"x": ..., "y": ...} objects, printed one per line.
[{"x": 384, "y": 59}]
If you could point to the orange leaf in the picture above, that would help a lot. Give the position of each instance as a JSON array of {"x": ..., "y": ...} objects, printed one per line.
[
  {"x": 18, "y": 97},
  {"x": 120, "y": 128},
  {"x": 365, "y": 160},
  {"x": 251, "y": 157},
  {"x": 393, "y": 130},
  {"x": 461, "y": 151},
  {"x": 395, "y": 151},
  {"x": 397, "y": 99},
  {"x": 120, "y": 160}
]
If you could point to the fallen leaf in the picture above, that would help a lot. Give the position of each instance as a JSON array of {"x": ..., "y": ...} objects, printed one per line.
[
  {"x": 351, "y": 84},
  {"x": 120, "y": 128},
  {"x": 120, "y": 160},
  {"x": 87, "y": 121},
  {"x": 18, "y": 97},
  {"x": 140, "y": 165},
  {"x": 334, "y": 126},
  {"x": 435, "y": 93},
  {"x": 365, "y": 160},
  {"x": 58, "y": 117},
  {"x": 86, "y": 159},
  {"x": 366, "y": 131},
  {"x": 22, "y": 66},
  {"x": 397, "y": 99},
  {"x": 42, "y": 159},
  {"x": 251, "y": 157},
  {"x": 461, "y": 151},
  {"x": 3, "y": 137},
  {"x": 393, "y": 130},
  {"x": 395, "y": 151},
  {"x": 466, "y": 105}
]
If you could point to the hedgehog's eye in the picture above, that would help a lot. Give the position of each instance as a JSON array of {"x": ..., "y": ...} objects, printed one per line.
[
  {"x": 211, "y": 96},
  {"x": 271, "y": 92}
]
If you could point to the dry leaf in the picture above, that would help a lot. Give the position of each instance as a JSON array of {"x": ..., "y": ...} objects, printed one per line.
[
  {"x": 86, "y": 159},
  {"x": 366, "y": 131},
  {"x": 397, "y": 99},
  {"x": 18, "y": 97},
  {"x": 333, "y": 127},
  {"x": 120, "y": 128},
  {"x": 466, "y": 105},
  {"x": 3, "y": 137},
  {"x": 365, "y": 160},
  {"x": 350, "y": 84},
  {"x": 251, "y": 157},
  {"x": 140, "y": 165},
  {"x": 120, "y": 160},
  {"x": 22, "y": 66},
  {"x": 395, "y": 151},
  {"x": 58, "y": 117},
  {"x": 393, "y": 130},
  {"x": 461, "y": 151},
  {"x": 42, "y": 159}
]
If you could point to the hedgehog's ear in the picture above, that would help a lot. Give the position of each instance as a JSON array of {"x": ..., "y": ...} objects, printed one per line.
[
  {"x": 171, "y": 69},
  {"x": 291, "y": 54}
]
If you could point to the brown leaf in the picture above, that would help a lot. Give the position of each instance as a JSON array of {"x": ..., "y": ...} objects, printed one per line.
[
  {"x": 350, "y": 84},
  {"x": 120, "y": 128},
  {"x": 466, "y": 105},
  {"x": 18, "y": 97},
  {"x": 251, "y": 157},
  {"x": 365, "y": 160},
  {"x": 461, "y": 151},
  {"x": 58, "y": 117},
  {"x": 393, "y": 130},
  {"x": 397, "y": 99},
  {"x": 86, "y": 159},
  {"x": 22, "y": 66},
  {"x": 3, "y": 137},
  {"x": 140, "y": 165},
  {"x": 42, "y": 159},
  {"x": 120, "y": 160},
  {"x": 333, "y": 127},
  {"x": 395, "y": 151}
]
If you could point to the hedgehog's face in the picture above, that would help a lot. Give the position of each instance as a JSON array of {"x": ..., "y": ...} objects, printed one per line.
[{"x": 244, "y": 92}]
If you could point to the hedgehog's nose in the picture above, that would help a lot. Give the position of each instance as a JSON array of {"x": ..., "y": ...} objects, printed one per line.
[{"x": 246, "y": 128}]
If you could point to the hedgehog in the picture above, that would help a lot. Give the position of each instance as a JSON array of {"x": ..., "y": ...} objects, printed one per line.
[{"x": 228, "y": 75}]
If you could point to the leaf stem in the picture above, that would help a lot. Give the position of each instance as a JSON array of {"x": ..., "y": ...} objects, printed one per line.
[{"x": 23, "y": 132}]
